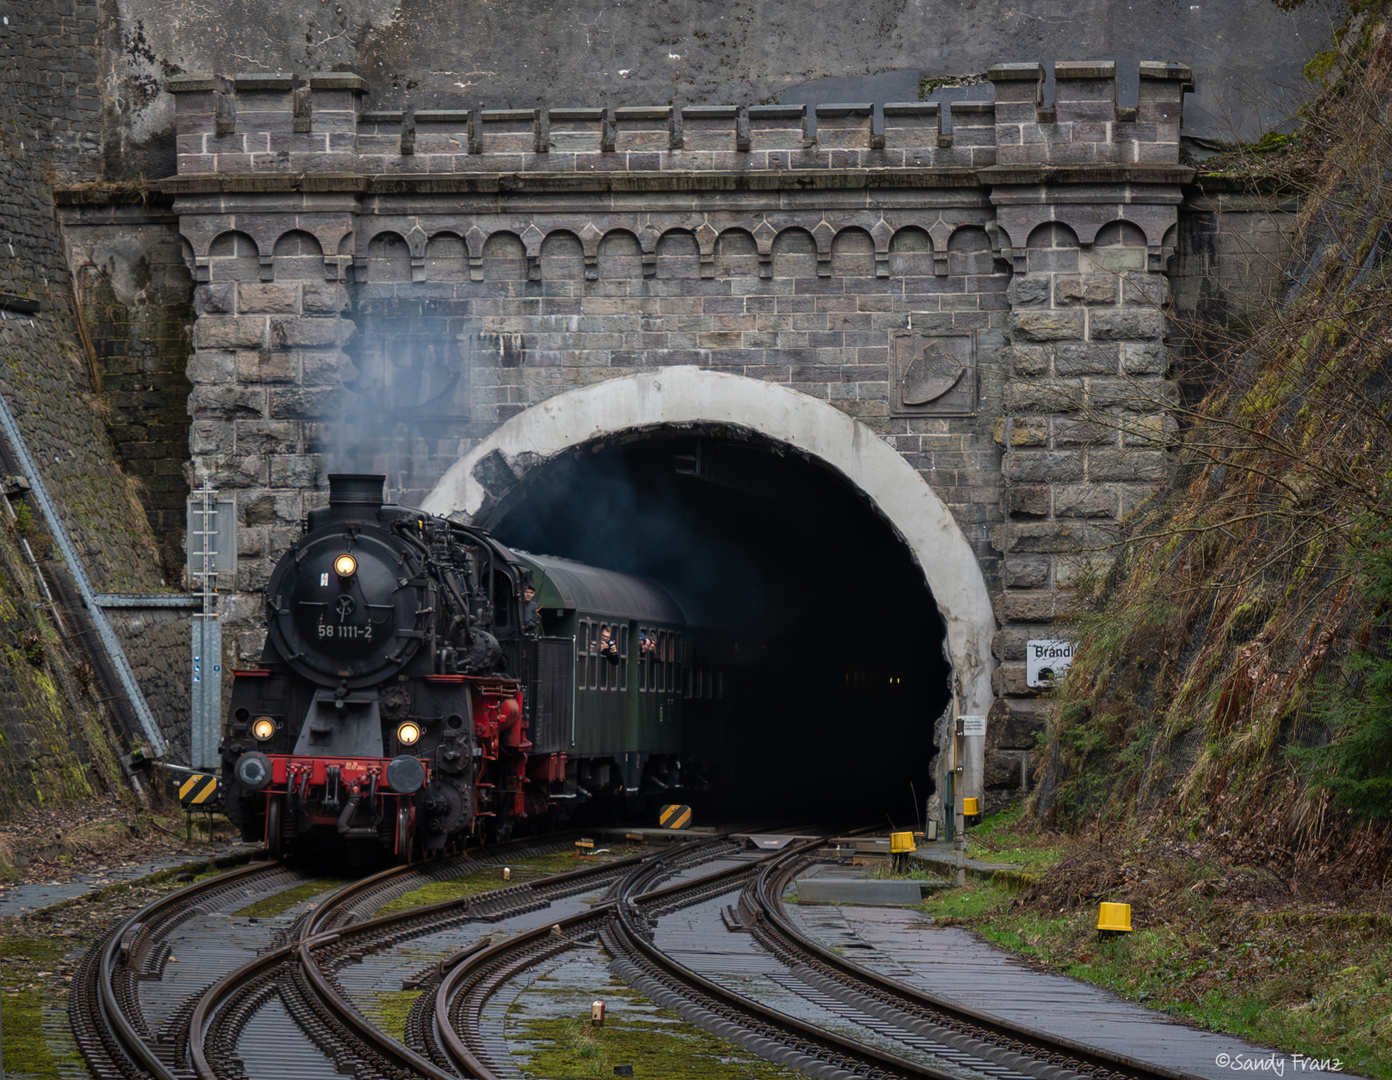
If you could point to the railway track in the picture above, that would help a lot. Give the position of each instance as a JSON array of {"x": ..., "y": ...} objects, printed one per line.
[{"x": 293, "y": 1004}]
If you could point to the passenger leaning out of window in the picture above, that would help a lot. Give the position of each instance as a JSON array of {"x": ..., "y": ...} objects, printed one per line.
[{"x": 606, "y": 646}]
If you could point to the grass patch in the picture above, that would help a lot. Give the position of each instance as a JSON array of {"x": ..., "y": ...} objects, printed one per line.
[
  {"x": 1006, "y": 837},
  {"x": 660, "y": 1044},
  {"x": 484, "y": 879},
  {"x": 29, "y": 967},
  {"x": 1224, "y": 946},
  {"x": 393, "y": 1007},
  {"x": 282, "y": 902}
]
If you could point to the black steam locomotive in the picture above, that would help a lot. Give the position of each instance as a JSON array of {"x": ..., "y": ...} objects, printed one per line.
[{"x": 421, "y": 683}]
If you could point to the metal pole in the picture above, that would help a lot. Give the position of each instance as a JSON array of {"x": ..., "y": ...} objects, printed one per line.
[
  {"x": 205, "y": 695},
  {"x": 115, "y": 654}
]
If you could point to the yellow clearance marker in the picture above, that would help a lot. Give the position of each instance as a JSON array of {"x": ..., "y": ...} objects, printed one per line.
[
  {"x": 674, "y": 817},
  {"x": 199, "y": 790}
]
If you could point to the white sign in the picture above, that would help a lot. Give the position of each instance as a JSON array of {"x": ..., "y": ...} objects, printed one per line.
[
  {"x": 971, "y": 725},
  {"x": 1047, "y": 662}
]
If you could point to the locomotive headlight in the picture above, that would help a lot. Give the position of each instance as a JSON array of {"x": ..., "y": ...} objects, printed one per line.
[
  {"x": 263, "y": 728},
  {"x": 408, "y": 734},
  {"x": 345, "y": 566}
]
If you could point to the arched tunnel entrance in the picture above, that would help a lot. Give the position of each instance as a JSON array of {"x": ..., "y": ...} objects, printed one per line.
[
  {"x": 824, "y": 644},
  {"x": 860, "y": 532}
]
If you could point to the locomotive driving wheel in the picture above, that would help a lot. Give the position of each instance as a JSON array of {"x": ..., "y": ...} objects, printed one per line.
[{"x": 403, "y": 836}]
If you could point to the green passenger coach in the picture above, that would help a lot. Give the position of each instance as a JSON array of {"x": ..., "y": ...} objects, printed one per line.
[{"x": 607, "y": 680}]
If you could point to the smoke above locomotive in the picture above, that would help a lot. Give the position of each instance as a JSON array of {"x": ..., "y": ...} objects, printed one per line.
[{"x": 422, "y": 683}]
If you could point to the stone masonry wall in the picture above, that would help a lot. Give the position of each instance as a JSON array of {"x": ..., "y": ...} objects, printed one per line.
[
  {"x": 379, "y": 291},
  {"x": 49, "y": 133}
]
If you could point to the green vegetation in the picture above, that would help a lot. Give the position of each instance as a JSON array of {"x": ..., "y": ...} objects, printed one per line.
[
  {"x": 281, "y": 902},
  {"x": 1231, "y": 685},
  {"x": 483, "y": 879},
  {"x": 1305, "y": 979},
  {"x": 657, "y": 1044},
  {"x": 28, "y": 965}
]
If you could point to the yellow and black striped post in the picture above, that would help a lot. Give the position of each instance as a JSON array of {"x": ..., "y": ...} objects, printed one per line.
[{"x": 674, "y": 817}]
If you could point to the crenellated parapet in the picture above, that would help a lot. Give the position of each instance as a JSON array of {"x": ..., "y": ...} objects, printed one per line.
[{"x": 308, "y": 125}]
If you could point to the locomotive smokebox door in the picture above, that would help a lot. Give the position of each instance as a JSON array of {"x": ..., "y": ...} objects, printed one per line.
[{"x": 348, "y": 726}]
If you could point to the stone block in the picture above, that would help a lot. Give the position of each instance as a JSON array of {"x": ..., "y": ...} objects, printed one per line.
[
  {"x": 1150, "y": 358},
  {"x": 1086, "y": 501},
  {"x": 265, "y": 436},
  {"x": 325, "y": 298},
  {"x": 1149, "y": 289},
  {"x": 295, "y": 470},
  {"x": 310, "y": 331},
  {"x": 1043, "y": 395},
  {"x": 1085, "y": 358},
  {"x": 217, "y": 298},
  {"x": 226, "y": 401},
  {"x": 1047, "y": 325},
  {"x": 1126, "y": 324},
  {"x": 269, "y": 298},
  {"x": 1045, "y": 537},
  {"x": 1028, "y": 289},
  {"x": 1043, "y": 466},
  {"x": 1005, "y": 770},
  {"x": 265, "y": 366},
  {"x": 325, "y": 367},
  {"x": 310, "y": 403},
  {"x": 1015, "y": 723},
  {"x": 1027, "y": 606},
  {"x": 1009, "y": 679},
  {"x": 1020, "y": 431},
  {"x": 229, "y": 332},
  {"x": 1127, "y": 465},
  {"x": 210, "y": 366},
  {"x": 1155, "y": 431},
  {"x": 1027, "y": 501},
  {"x": 211, "y": 437},
  {"x": 1068, "y": 432},
  {"x": 1009, "y": 643},
  {"x": 1026, "y": 359},
  {"x": 1141, "y": 394},
  {"x": 1026, "y": 571}
]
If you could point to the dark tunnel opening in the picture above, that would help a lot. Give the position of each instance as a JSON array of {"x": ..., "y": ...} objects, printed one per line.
[{"x": 828, "y": 642}]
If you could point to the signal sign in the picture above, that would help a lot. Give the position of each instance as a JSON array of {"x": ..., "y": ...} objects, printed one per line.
[
  {"x": 200, "y": 790},
  {"x": 674, "y": 817}
]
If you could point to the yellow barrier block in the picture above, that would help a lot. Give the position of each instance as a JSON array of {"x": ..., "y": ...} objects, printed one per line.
[
  {"x": 1114, "y": 918},
  {"x": 901, "y": 843}
]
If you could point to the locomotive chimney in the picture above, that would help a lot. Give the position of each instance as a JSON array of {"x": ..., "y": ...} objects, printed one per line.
[{"x": 355, "y": 489}]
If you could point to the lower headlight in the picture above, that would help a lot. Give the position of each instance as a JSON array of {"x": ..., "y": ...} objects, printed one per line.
[
  {"x": 263, "y": 728},
  {"x": 408, "y": 734}
]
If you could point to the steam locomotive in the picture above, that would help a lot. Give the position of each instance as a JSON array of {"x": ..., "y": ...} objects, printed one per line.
[{"x": 422, "y": 683}]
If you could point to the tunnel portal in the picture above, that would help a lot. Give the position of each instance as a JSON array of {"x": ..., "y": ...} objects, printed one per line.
[{"x": 828, "y": 643}]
